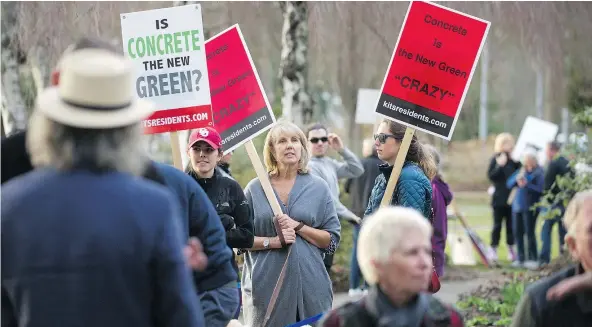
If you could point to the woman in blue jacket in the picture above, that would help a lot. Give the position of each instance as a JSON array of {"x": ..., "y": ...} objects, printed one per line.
[
  {"x": 413, "y": 188},
  {"x": 529, "y": 181}
]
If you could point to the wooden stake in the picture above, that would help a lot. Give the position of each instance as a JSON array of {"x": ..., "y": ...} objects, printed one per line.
[
  {"x": 399, "y": 162},
  {"x": 263, "y": 177},
  {"x": 176, "y": 149}
]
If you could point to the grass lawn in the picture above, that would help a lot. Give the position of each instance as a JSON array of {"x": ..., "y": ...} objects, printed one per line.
[{"x": 476, "y": 208}]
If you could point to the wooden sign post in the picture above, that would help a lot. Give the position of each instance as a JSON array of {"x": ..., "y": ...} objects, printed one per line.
[
  {"x": 429, "y": 74},
  {"x": 176, "y": 81}
]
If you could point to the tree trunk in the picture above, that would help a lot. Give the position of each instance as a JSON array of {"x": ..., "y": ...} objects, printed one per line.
[
  {"x": 14, "y": 114},
  {"x": 296, "y": 102}
]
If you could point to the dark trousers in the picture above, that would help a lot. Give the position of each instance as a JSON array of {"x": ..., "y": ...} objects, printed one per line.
[
  {"x": 545, "y": 255},
  {"x": 524, "y": 225},
  {"x": 501, "y": 214},
  {"x": 355, "y": 274},
  {"x": 328, "y": 260}
]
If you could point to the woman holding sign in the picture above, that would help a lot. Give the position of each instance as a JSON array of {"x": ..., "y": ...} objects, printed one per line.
[
  {"x": 309, "y": 223},
  {"x": 413, "y": 188}
]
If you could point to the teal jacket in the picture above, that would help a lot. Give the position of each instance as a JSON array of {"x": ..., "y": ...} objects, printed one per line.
[{"x": 413, "y": 189}]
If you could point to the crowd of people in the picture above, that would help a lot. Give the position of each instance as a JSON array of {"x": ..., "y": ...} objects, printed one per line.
[
  {"x": 95, "y": 233},
  {"x": 518, "y": 187}
]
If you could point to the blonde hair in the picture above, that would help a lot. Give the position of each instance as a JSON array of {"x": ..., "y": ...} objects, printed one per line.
[
  {"x": 573, "y": 210},
  {"x": 280, "y": 128},
  {"x": 500, "y": 140},
  {"x": 383, "y": 232}
]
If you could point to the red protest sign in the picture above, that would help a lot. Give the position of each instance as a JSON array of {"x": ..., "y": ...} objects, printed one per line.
[
  {"x": 431, "y": 68},
  {"x": 240, "y": 108}
]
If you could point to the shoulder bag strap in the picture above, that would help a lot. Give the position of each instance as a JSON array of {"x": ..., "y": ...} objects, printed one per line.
[{"x": 280, "y": 281}]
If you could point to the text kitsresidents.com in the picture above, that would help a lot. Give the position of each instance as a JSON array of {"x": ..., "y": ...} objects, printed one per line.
[
  {"x": 245, "y": 128},
  {"x": 413, "y": 114},
  {"x": 175, "y": 120}
]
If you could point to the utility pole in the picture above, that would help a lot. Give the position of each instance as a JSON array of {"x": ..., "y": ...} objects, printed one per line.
[{"x": 483, "y": 93}]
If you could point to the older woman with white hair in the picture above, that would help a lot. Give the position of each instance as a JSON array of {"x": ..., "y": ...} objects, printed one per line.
[
  {"x": 529, "y": 182},
  {"x": 565, "y": 298},
  {"x": 395, "y": 255},
  {"x": 309, "y": 223},
  {"x": 85, "y": 242}
]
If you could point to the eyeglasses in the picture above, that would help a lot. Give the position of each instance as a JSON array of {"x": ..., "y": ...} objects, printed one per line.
[
  {"x": 316, "y": 140},
  {"x": 206, "y": 150},
  {"x": 382, "y": 137}
]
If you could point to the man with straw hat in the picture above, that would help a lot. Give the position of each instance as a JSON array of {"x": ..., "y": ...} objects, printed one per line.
[{"x": 84, "y": 241}]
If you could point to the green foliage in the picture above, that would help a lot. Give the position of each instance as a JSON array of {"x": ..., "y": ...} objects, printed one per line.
[
  {"x": 496, "y": 311},
  {"x": 580, "y": 155},
  {"x": 579, "y": 93}
]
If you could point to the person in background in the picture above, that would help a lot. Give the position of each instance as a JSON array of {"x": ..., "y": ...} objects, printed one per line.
[
  {"x": 394, "y": 251},
  {"x": 441, "y": 198},
  {"x": 224, "y": 163},
  {"x": 413, "y": 188},
  {"x": 557, "y": 166},
  {"x": 359, "y": 189},
  {"x": 564, "y": 298},
  {"x": 205, "y": 151},
  {"x": 308, "y": 222},
  {"x": 529, "y": 181},
  {"x": 501, "y": 167},
  {"x": 84, "y": 241},
  {"x": 331, "y": 170}
]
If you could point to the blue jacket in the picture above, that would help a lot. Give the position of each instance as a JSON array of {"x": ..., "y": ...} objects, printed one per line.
[
  {"x": 88, "y": 249},
  {"x": 199, "y": 219},
  {"x": 530, "y": 194},
  {"x": 413, "y": 190}
]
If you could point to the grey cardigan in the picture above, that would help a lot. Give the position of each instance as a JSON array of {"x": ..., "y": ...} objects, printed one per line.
[{"x": 307, "y": 289}]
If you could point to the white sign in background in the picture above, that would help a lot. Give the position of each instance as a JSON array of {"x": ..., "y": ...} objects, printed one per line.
[
  {"x": 365, "y": 106},
  {"x": 535, "y": 134},
  {"x": 171, "y": 39}
]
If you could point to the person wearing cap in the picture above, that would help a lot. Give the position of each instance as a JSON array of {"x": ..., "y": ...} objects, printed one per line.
[
  {"x": 16, "y": 160},
  {"x": 84, "y": 241},
  {"x": 205, "y": 152}
]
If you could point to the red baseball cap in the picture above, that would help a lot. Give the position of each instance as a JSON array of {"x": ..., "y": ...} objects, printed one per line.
[{"x": 206, "y": 134}]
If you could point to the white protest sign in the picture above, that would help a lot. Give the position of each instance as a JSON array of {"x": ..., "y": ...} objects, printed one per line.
[
  {"x": 535, "y": 135},
  {"x": 365, "y": 106},
  {"x": 168, "y": 48}
]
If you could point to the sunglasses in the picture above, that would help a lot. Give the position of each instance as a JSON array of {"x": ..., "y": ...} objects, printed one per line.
[
  {"x": 316, "y": 140},
  {"x": 206, "y": 150},
  {"x": 382, "y": 137}
]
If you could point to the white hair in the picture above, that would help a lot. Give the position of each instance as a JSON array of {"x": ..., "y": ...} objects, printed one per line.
[
  {"x": 383, "y": 232},
  {"x": 51, "y": 144},
  {"x": 572, "y": 213},
  {"x": 530, "y": 154}
]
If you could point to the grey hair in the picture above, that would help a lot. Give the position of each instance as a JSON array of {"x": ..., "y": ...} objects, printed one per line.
[
  {"x": 435, "y": 153},
  {"x": 51, "y": 144},
  {"x": 383, "y": 232}
]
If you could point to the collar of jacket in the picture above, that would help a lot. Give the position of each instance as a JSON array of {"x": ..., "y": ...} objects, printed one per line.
[
  {"x": 584, "y": 299},
  {"x": 386, "y": 314},
  {"x": 204, "y": 182},
  {"x": 386, "y": 169}
]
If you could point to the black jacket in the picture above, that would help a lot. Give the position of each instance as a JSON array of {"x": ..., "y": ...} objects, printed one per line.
[
  {"x": 534, "y": 310},
  {"x": 15, "y": 159},
  {"x": 360, "y": 188},
  {"x": 557, "y": 167},
  {"x": 498, "y": 177},
  {"x": 236, "y": 214}
]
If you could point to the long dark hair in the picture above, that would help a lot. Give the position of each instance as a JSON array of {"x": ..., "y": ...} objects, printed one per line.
[{"x": 417, "y": 153}]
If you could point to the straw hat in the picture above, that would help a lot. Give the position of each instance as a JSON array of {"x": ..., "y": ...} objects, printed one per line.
[{"x": 95, "y": 92}]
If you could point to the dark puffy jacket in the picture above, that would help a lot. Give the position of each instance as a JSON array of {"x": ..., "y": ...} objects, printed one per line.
[
  {"x": 236, "y": 214},
  {"x": 413, "y": 190}
]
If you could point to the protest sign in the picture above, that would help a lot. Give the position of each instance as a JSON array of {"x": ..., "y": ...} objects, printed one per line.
[
  {"x": 431, "y": 68},
  {"x": 534, "y": 136},
  {"x": 240, "y": 107},
  {"x": 366, "y": 105},
  {"x": 167, "y": 47}
]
